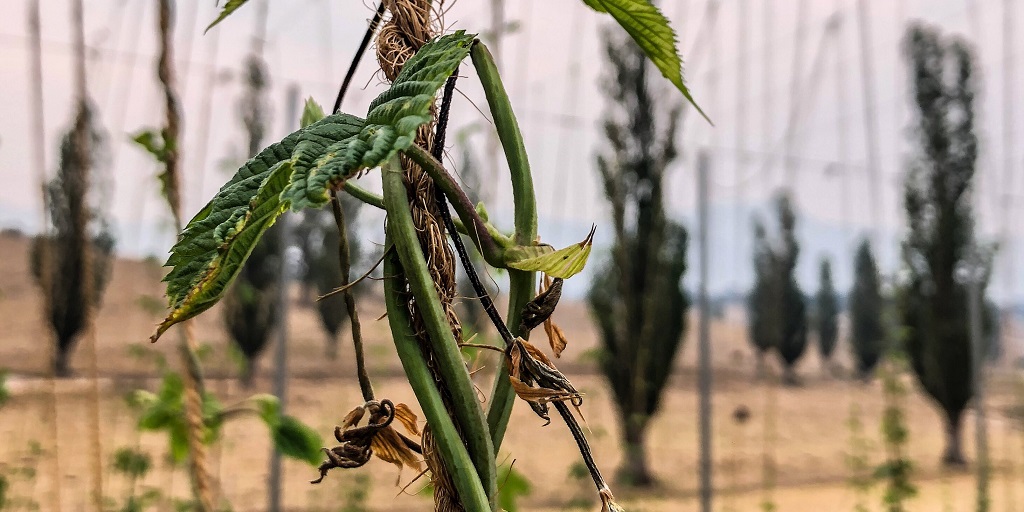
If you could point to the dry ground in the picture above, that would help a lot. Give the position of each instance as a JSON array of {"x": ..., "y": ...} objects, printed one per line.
[{"x": 811, "y": 423}]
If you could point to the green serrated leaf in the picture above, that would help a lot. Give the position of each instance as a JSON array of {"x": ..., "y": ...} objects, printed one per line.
[
  {"x": 229, "y": 7},
  {"x": 563, "y": 263},
  {"x": 311, "y": 113},
  {"x": 296, "y": 440},
  {"x": 391, "y": 123},
  {"x": 216, "y": 242},
  {"x": 298, "y": 172},
  {"x": 650, "y": 29}
]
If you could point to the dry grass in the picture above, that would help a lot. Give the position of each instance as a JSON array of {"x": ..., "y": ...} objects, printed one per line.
[{"x": 811, "y": 421}]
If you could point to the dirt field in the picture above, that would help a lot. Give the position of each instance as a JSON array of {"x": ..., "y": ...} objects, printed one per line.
[{"x": 811, "y": 422}]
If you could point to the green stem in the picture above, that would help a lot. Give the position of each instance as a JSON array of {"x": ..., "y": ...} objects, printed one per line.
[
  {"x": 521, "y": 284},
  {"x": 443, "y": 345},
  {"x": 501, "y": 239},
  {"x": 454, "y": 453},
  {"x": 512, "y": 142}
]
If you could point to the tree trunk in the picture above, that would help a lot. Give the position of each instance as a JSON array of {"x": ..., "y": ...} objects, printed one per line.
[
  {"x": 954, "y": 454},
  {"x": 762, "y": 365},
  {"x": 331, "y": 347},
  {"x": 248, "y": 374},
  {"x": 634, "y": 471},
  {"x": 789, "y": 377},
  {"x": 60, "y": 362}
]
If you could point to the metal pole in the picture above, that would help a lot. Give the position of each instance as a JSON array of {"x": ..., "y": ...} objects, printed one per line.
[
  {"x": 870, "y": 126},
  {"x": 978, "y": 374},
  {"x": 704, "y": 342},
  {"x": 281, "y": 350}
]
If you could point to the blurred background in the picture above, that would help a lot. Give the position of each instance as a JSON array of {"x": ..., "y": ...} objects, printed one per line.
[{"x": 821, "y": 141}]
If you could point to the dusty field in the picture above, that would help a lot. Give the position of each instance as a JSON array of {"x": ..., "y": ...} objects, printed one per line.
[{"x": 811, "y": 441}]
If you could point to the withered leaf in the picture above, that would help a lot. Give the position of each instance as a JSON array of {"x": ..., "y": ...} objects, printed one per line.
[
  {"x": 537, "y": 354},
  {"x": 353, "y": 417},
  {"x": 556, "y": 337},
  {"x": 539, "y": 310},
  {"x": 408, "y": 418},
  {"x": 389, "y": 447},
  {"x": 539, "y": 394}
]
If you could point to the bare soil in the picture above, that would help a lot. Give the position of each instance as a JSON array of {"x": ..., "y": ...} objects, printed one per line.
[{"x": 804, "y": 430}]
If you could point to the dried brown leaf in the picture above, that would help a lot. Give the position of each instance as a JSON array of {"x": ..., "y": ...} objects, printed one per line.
[
  {"x": 556, "y": 337},
  {"x": 353, "y": 417},
  {"x": 539, "y": 394},
  {"x": 388, "y": 446},
  {"x": 408, "y": 418},
  {"x": 515, "y": 358},
  {"x": 536, "y": 353},
  {"x": 539, "y": 310}
]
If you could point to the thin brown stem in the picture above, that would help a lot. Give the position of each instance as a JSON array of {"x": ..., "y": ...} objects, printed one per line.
[{"x": 365, "y": 386}]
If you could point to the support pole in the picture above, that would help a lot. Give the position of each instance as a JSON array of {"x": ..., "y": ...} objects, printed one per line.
[
  {"x": 870, "y": 126},
  {"x": 978, "y": 376},
  {"x": 704, "y": 342},
  {"x": 281, "y": 350}
]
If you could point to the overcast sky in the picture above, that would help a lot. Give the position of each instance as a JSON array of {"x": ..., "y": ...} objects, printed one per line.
[{"x": 740, "y": 60}]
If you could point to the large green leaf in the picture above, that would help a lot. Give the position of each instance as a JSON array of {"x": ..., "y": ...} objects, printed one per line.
[
  {"x": 216, "y": 242},
  {"x": 391, "y": 124},
  {"x": 650, "y": 29},
  {"x": 298, "y": 172}
]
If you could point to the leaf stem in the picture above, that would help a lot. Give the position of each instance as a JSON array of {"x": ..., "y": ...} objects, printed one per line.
[
  {"x": 443, "y": 345},
  {"x": 454, "y": 453},
  {"x": 358, "y": 56},
  {"x": 521, "y": 284},
  {"x": 345, "y": 260}
]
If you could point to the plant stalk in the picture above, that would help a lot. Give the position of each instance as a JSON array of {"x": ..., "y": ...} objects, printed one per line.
[
  {"x": 521, "y": 284},
  {"x": 455, "y": 454},
  {"x": 502, "y": 240},
  {"x": 444, "y": 347},
  {"x": 344, "y": 258}
]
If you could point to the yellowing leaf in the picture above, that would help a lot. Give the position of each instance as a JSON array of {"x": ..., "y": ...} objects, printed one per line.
[{"x": 563, "y": 263}]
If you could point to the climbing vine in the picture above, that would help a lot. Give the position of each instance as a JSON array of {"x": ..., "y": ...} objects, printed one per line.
[{"x": 402, "y": 133}]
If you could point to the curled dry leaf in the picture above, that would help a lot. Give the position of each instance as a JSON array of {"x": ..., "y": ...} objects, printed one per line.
[
  {"x": 539, "y": 310},
  {"x": 377, "y": 436},
  {"x": 536, "y": 380},
  {"x": 538, "y": 394}
]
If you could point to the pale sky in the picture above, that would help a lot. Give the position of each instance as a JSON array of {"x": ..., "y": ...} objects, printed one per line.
[{"x": 552, "y": 64}]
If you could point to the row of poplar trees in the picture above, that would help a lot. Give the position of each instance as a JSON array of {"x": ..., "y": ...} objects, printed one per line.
[
  {"x": 639, "y": 304},
  {"x": 925, "y": 318},
  {"x": 782, "y": 317}
]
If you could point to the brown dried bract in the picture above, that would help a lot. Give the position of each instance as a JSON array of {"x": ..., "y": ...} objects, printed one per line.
[
  {"x": 377, "y": 436},
  {"x": 536, "y": 380},
  {"x": 539, "y": 310}
]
